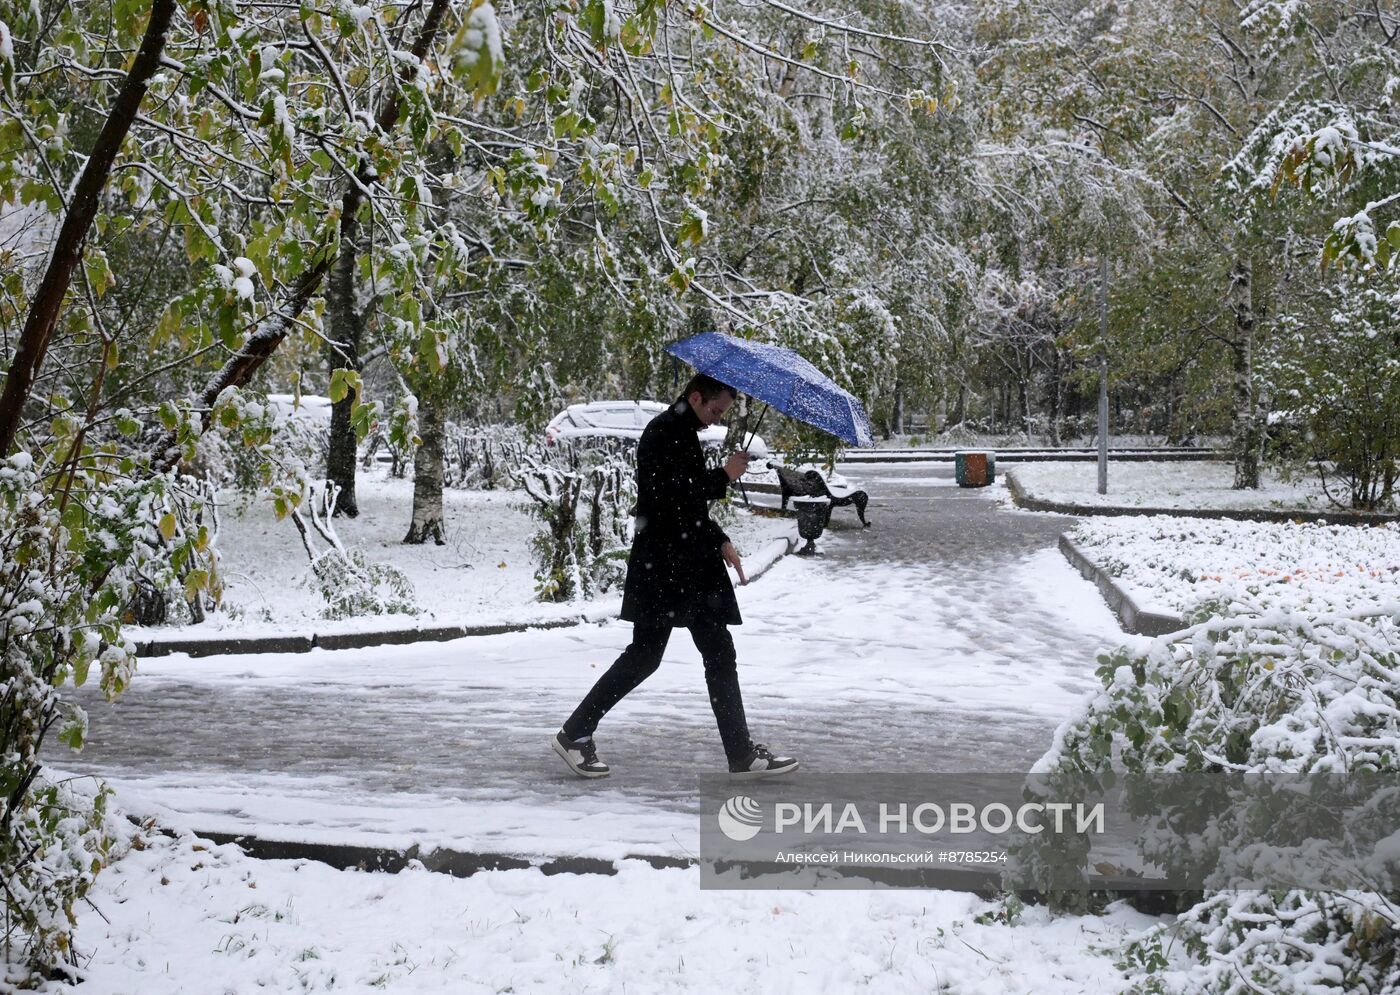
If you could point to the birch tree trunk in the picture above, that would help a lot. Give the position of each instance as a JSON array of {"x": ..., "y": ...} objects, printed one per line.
[
  {"x": 343, "y": 353},
  {"x": 427, "y": 474}
]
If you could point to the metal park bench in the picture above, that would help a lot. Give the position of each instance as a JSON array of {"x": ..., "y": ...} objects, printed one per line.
[{"x": 793, "y": 484}]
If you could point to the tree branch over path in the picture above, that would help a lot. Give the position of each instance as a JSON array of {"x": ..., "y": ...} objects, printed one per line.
[{"x": 68, "y": 249}]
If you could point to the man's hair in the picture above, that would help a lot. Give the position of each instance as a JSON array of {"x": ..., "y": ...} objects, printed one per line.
[{"x": 709, "y": 388}]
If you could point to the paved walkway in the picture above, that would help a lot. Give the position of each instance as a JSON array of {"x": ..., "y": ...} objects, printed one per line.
[{"x": 949, "y": 636}]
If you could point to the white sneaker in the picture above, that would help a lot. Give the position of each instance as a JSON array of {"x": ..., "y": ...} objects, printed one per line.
[
  {"x": 582, "y": 758},
  {"x": 761, "y": 762}
]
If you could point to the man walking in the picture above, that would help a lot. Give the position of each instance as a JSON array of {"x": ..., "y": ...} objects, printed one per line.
[{"x": 676, "y": 577}]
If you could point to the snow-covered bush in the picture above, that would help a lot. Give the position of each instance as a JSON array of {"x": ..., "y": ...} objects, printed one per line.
[
  {"x": 584, "y": 495},
  {"x": 76, "y": 538},
  {"x": 1262, "y": 682},
  {"x": 351, "y": 583},
  {"x": 1335, "y": 371},
  {"x": 1285, "y": 943},
  {"x": 254, "y": 438}
]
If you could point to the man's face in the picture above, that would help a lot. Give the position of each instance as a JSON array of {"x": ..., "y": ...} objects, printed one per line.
[{"x": 710, "y": 412}]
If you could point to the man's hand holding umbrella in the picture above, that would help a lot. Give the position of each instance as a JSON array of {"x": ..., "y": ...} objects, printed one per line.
[{"x": 735, "y": 467}]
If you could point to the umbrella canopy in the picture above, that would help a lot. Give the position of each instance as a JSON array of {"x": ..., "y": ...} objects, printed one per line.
[{"x": 781, "y": 378}]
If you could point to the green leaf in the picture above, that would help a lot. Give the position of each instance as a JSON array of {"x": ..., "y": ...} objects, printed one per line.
[
  {"x": 195, "y": 581},
  {"x": 475, "y": 52},
  {"x": 73, "y": 732},
  {"x": 681, "y": 277},
  {"x": 564, "y": 123},
  {"x": 362, "y": 419},
  {"x": 228, "y": 325},
  {"x": 343, "y": 381},
  {"x": 693, "y": 226}
]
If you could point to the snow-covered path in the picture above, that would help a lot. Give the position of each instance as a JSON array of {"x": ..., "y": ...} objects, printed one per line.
[{"x": 950, "y": 636}]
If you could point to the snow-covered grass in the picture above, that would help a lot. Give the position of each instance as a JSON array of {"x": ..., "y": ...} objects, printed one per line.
[
  {"x": 1171, "y": 563},
  {"x": 1187, "y": 485},
  {"x": 484, "y": 572},
  {"x": 181, "y": 916}
]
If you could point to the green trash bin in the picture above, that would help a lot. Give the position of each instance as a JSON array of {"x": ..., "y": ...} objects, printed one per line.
[{"x": 975, "y": 467}]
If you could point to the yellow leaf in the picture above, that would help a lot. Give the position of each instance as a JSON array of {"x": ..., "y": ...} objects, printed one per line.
[{"x": 167, "y": 526}]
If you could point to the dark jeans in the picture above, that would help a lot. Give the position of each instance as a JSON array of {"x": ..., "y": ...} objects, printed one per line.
[{"x": 640, "y": 660}]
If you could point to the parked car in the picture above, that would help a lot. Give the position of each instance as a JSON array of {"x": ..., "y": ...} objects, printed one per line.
[
  {"x": 624, "y": 420},
  {"x": 309, "y": 407}
]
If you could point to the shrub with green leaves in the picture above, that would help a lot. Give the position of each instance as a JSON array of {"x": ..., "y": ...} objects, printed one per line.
[
  {"x": 353, "y": 585},
  {"x": 1334, "y": 367},
  {"x": 77, "y": 536},
  {"x": 1283, "y": 682}
]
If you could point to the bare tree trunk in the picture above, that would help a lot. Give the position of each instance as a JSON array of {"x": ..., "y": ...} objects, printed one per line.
[
  {"x": 343, "y": 353},
  {"x": 898, "y": 415},
  {"x": 1247, "y": 435},
  {"x": 242, "y": 366},
  {"x": 427, "y": 474},
  {"x": 68, "y": 248}
]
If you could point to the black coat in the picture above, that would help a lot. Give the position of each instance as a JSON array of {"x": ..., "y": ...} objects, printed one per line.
[{"x": 676, "y": 574}]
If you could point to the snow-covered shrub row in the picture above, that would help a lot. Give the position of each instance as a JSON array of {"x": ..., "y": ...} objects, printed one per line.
[
  {"x": 1274, "y": 679},
  {"x": 482, "y": 457},
  {"x": 1179, "y": 562},
  {"x": 1186, "y": 485},
  {"x": 584, "y": 494}
]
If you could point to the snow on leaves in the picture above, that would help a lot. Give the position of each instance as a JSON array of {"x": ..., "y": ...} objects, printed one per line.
[{"x": 478, "y": 53}]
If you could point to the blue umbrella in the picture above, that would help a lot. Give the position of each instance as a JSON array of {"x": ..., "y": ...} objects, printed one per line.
[{"x": 781, "y": 378}]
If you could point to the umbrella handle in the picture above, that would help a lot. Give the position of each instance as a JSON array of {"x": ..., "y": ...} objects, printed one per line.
[
  {"x": 754, "y": 431},
  {"x": 742, "y": 489}
]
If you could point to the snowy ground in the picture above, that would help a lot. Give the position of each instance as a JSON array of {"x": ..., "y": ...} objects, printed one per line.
[
  {"x": 443, "y": 744},
  {"x": 1165, "y": 485},
  {"x": 181, "y": 918},
  {"x": 483, "y": 574},
  {"x": 950, "y": 636},
  {"x": 1169, "y": 563}
]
